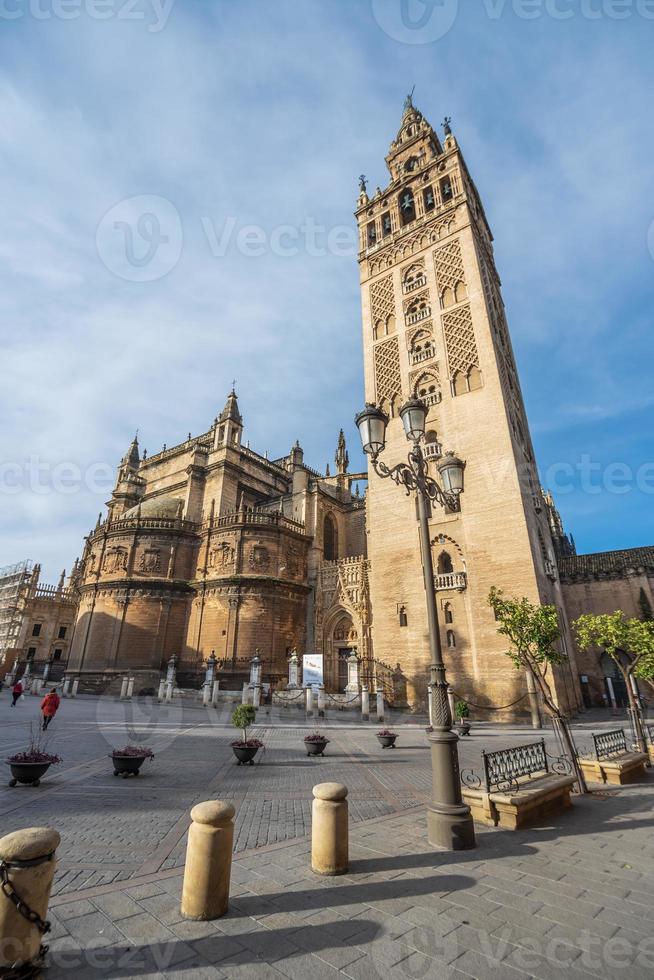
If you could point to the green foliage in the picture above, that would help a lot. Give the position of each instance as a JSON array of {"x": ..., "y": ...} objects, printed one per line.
[
  {"x": 645, "y": 607},
  {"x": 461, "y": 709},
  {"x": 629, "y": 642},
  {"x": 242, "y": 717},
  {"x": 533, "y": 631}
]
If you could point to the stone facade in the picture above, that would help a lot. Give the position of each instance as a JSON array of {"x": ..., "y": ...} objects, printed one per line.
[
  {"x": 210, "y": 548},
  {"x": 434, "y": 326},
  {"x": 47, "y": 624}
]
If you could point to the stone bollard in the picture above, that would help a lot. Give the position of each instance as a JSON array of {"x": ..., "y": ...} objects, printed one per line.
[
  {"x": 73, "y": 691},
  {"x": 130, "y": 689},
  {"x": 380, "y": 705},
  {"x": 256, "y": 696},
  {"x": 205, "y": 893},
  {"x": 20, "y": 939},
  {"x": 309, "y": 702},
  {"x": 34, "y": 689},
  {"x": 123, "y": 688},
  {"x": 214, "y": 694},
  {"x": 66, "y": 690},
  {"x": 206, "y": 695},
  {"x": 365, "y": 704},
  {"x": 329, "y": 830},
  {"x": 161, "y": 693},
  {"x": 245, "y": 696},
  {"x": 321, "y": 701}
]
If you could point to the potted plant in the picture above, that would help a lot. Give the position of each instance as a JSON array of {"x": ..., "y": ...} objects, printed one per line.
[
  {"x": 246, "y": 748},
  {"x": 386, "y": 738},
  {"x": 462, "y": 711},
  {"x": 128, "y": 760},
  {"x": 27, "y": 767},
  {"x": 315, "y": 743}
]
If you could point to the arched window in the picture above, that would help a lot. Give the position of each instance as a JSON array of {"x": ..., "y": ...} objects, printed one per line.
[
  {"x": 390, "y": 325},
  {"x": 459, "y": 383},
  {"x": 451, "y": 639},
  {"x": 460, "y": 292},
  {"x": 445, "y": 566},
  {"x": 403, "y": 616},
  {"x": 330, "y": 539},
  {"x": 413, "y": 278},
  {"x": 407, "y": 207},
  {"x": 474, "y": 378},
  {"x": 447, "y": 298},
  {"x": 449, "y": 616},
  {"x": 418, "y": 309},
  {"x": 428, "y": 199}
]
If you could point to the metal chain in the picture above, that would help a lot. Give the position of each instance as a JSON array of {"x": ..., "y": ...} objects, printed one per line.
[
  {"x": 22, "y": 907},
  {"x": 25, "y": 971},
  {"x": 492, "y": 707}
]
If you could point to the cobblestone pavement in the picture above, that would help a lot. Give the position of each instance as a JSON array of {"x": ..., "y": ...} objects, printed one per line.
[{"x": 580, "y": 890}]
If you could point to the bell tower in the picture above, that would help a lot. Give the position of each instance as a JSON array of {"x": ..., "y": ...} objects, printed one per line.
[{"x": 434, "y": 326}]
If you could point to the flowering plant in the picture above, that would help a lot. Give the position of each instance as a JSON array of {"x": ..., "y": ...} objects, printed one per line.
[
  {"x": 35, "y": 755},
  {"x": 316, "y": 737},
  {"x": 386, "y": 733},
  {"x": 132, "y": 752},
  {"x": 247, "y": 743}
]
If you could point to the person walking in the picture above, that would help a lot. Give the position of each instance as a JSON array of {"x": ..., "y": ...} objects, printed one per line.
[
  {"x": 16, "y": 692},
  {"x": 49, "y": 707}
]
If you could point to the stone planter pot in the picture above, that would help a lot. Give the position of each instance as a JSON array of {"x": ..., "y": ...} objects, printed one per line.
[
  {"x": 28, "y": 773},
  {"x": 463, "y": 728},
  {"x": 127, "y": 765},
  {"x": 387, "y": 741},
  {"x": 245, "y": 754},
  {"x": 315, "y": 748}
]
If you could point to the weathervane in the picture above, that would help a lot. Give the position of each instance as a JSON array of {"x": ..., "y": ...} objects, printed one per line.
[
  {"x": 447, "y": 125},
  {"x": 408, "y": 102},
  {"x": 363, "y": 184}
]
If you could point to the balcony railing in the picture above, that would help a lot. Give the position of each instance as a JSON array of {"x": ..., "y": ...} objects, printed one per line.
[
  {"x": 418, "y": 356},
  {"x": 451, "y": 580},
  {"x": 409, "y": 287},
  {"x": 417, "y": 317},
  {"x": 432, "y": 450}
]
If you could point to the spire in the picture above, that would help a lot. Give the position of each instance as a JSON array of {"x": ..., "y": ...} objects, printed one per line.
[
  {"x": 342, "y": 458},
  {"x": 416, "y": 143},
  {"x": 230, "y": 412},
  {"x": 131, "y": 459},
  {"x": 62, "y": 581}
]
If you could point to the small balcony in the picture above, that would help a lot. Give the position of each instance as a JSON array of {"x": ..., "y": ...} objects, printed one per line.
[
  {"x": 418, "y": 316},
  {"x": 451, "y": 581},
  {"x": 432, "y": 450},
  {"x": 416, "y": 283},
  {"x": 419, "y": 356}
]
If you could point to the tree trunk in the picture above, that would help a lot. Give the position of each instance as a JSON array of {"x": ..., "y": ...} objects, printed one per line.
[
  {"x": 634, "y": 711},
  {"x": 561, "y": 727}
]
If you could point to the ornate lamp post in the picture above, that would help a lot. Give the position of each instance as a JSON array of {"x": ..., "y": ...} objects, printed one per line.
[{"x": 449, "y": 820}]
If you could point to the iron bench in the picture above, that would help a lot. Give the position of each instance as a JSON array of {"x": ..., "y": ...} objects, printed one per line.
[
  {"x": 517, "y": 786},
  {"x": 613, "y": 762}
]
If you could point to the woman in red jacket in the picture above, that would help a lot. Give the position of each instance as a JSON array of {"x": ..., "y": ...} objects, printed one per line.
[{"x": 49, "y": 707}]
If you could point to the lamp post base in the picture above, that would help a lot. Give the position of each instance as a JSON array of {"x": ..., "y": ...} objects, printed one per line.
[{"x": 449, "y": 821}]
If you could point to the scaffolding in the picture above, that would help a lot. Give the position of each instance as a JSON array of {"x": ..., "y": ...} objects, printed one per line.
[{"x": 15, "y": 582}]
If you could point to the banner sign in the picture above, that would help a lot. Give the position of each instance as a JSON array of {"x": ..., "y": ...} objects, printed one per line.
[{"x": 312, "y": 673}]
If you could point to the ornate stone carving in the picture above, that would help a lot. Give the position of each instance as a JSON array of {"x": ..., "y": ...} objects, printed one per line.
[
  {"x": 115, "y": 560},
  {"x": 150, "y": 561},
  {"x": 221, "y": 556},
  {"x": 388, "y": 377},
  {"x": 259, "y": 559},
  {"x": 460, "y": 341}
]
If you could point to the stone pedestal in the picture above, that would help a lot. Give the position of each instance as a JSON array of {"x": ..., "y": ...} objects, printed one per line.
[
  {"x": 380, "y": 705},
  {"x": 329, "y": 830},
  {"x": 205, "y": 892},
  {"x": 309, "y": 702},
  {"x": 20, "y": 940},
  {"x": 293, "y": 673},
  {"x": 365, "y": 704},
  {"x": 321, "y": 701},
  {"x": 352, "y": 674}
]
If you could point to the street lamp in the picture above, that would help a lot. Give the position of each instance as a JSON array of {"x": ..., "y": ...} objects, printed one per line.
[{"x": 449, "y": 821}]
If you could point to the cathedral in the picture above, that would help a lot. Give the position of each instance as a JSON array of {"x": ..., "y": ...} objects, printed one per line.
[{"x": 209, "y": 548}]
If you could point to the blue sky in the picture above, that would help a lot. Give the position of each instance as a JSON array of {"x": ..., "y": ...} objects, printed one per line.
[{"x": 216, "y": 116}]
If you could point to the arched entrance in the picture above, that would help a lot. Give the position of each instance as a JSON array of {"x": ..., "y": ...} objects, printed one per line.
[{"x": 342, "y": 639}]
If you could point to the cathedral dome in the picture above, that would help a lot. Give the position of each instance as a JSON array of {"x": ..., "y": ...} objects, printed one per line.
[{"x": 167, "y": 507}]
